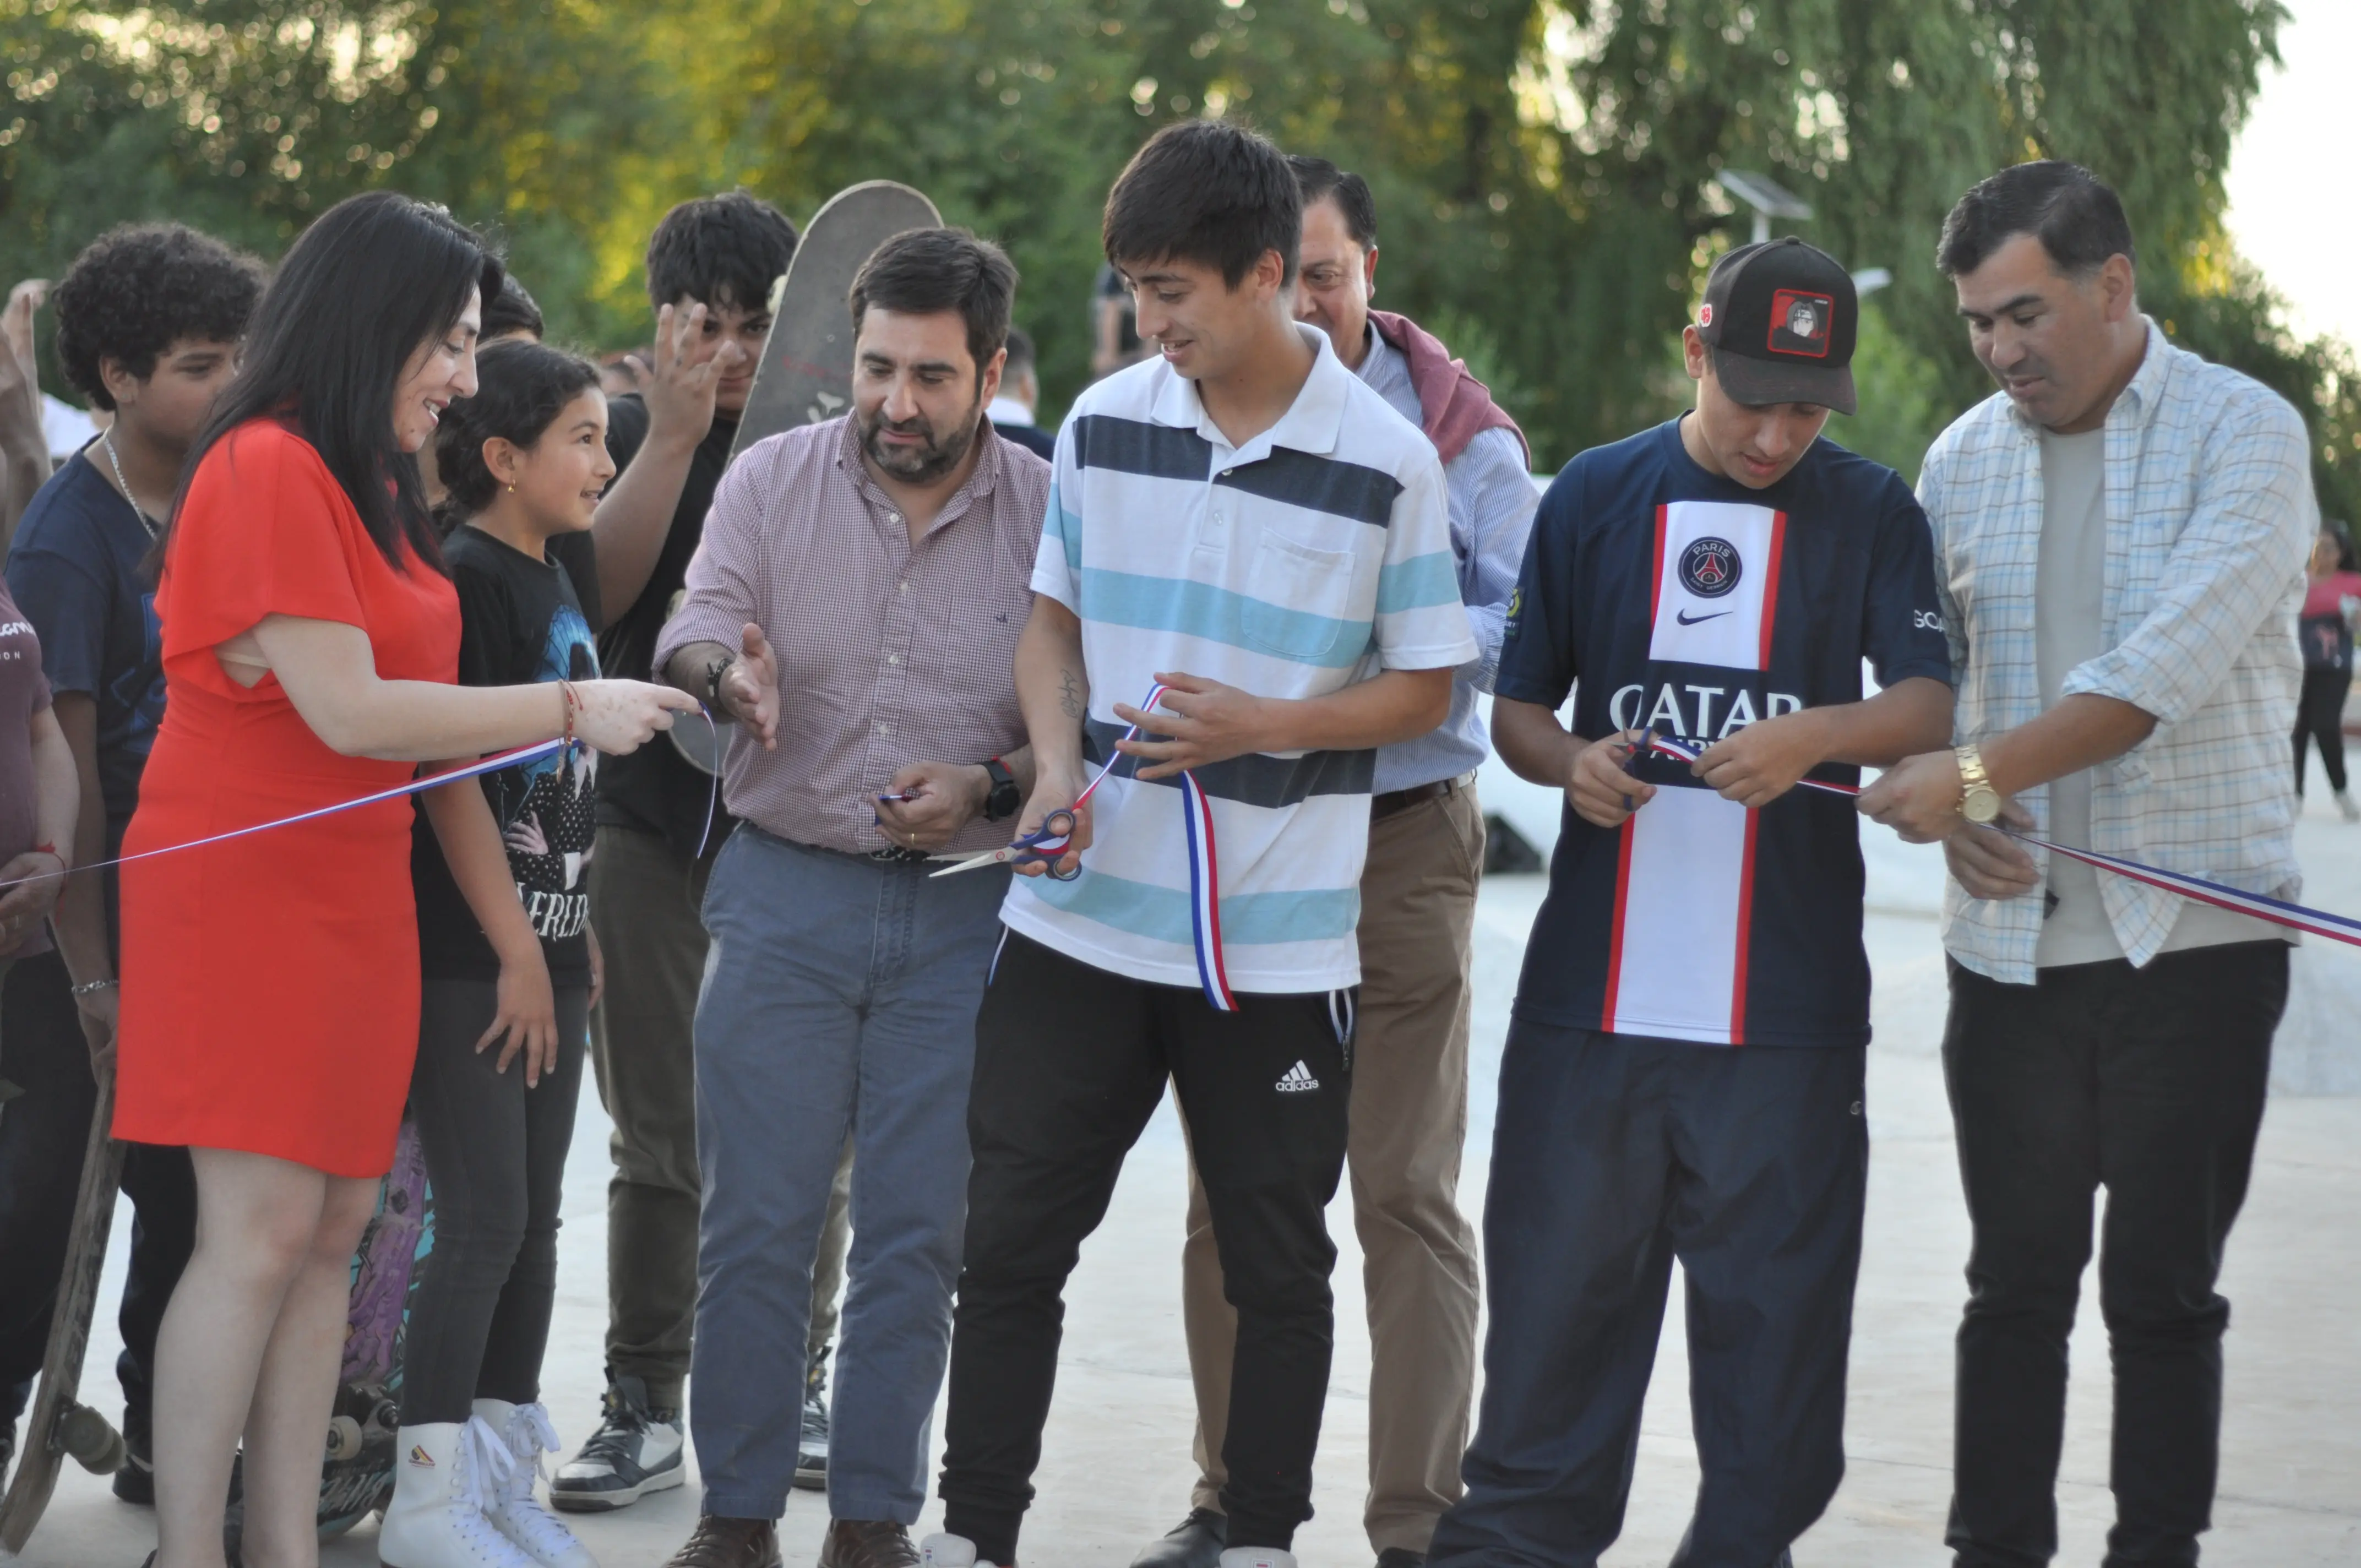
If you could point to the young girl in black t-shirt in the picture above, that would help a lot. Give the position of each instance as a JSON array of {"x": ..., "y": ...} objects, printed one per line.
[{"x": 510, "y": 970}]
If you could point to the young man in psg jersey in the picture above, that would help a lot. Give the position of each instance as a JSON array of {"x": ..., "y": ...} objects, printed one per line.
[{"x": 1684, "y": 1070}]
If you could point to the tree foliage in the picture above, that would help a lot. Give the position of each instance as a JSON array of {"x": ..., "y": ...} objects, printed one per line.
[{"x": 1543, "y": 168}]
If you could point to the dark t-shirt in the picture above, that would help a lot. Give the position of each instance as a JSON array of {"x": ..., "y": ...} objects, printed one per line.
[
  {"x": 23, "y": 693},
  {"x": 653, "y": 789},
  {"x": 77, "y": 570},
  {"x": 1686, "y": 603},
  {"x": 520, "y": 621}
]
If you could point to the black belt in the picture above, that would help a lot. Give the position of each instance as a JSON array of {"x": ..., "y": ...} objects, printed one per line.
[{"x": 1398, "y": 800}]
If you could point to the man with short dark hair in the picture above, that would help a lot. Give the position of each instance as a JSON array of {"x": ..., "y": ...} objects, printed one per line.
[
  {"x": 1020, "y": 395},
  {"x": 710, "y": 265},
  {"x": 150, "y": 318},
  {"x": 1416, "y": 937},
  {"x": 1248, "y": 543},
  {"x": 855, "y": 607},
  {"x": 2120, "y": 536}
]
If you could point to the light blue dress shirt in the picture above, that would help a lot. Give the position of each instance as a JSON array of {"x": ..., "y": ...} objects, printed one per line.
[{"x": 1491, "y": 499}]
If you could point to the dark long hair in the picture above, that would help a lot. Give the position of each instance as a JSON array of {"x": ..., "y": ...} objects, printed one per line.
[
  {"x": 377, "y": 276},
  {"x": 521, "y": 389}
]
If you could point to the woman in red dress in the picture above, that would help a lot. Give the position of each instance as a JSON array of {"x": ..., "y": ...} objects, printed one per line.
[{"x": 270, "y": 984}]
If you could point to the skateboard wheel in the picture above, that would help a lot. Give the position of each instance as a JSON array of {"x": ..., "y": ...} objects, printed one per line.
[
  {"x": 343, "y": 1437},
  {"x": 90, "y": 1440}
]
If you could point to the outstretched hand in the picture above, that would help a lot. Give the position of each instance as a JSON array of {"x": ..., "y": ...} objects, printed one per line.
[{"x": 750, "y": 686}]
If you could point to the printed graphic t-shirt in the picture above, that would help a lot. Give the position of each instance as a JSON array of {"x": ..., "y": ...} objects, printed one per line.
[
  {"x": 1671, "y": 598},
  {"x": 78, "y": 568},
  {"x": 520, "y": 621}
]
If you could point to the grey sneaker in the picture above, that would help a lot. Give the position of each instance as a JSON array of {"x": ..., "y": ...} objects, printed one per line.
[
  {"x": 636, "y": 1450},
  {"x": 811, "y": 1453}
]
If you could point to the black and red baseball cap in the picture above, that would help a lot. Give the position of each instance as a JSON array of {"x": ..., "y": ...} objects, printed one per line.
[{"x": 1782, "y": 317}]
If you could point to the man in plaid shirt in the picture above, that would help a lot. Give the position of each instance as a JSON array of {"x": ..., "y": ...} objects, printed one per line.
[{"x": 2119, "y": 546}]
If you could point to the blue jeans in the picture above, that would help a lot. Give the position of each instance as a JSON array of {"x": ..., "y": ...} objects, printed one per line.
[{"x": 840, "y": 994}]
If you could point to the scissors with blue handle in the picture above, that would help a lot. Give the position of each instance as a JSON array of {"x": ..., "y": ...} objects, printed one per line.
[{"x": 1044, "y": 846}]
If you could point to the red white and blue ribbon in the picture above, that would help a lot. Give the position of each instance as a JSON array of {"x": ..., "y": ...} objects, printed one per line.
[
  {"x": 2279, "y": 912},
  {"x": 432, "y": 780},
  {"x": 492, "y": 764},
  {"x": 1204, "y": 869}
]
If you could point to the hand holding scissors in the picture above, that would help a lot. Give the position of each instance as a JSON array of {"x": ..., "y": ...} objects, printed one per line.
[{"x": 1041, "y": 846}]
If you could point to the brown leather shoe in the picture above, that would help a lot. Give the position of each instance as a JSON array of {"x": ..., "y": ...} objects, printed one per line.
[
  {"x": 867, "y": 1543},
  {"x": 718, "y": 1543}
]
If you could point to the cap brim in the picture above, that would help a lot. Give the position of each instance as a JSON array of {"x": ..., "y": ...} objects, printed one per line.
[{"x": 1756, "y": 382}]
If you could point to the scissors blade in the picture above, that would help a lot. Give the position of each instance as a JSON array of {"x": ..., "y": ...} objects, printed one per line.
[{"x": 988, "y": 857}]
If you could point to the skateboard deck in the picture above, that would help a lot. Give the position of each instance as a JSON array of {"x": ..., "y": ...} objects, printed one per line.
[
  {"x": 62, "y": 1427},
  {"x": 357, "y": 1473},
  {"x": 806, "y": 373}
]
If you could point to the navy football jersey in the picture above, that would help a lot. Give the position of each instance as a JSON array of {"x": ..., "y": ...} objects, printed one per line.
[{"x": 1675, "y": 600}]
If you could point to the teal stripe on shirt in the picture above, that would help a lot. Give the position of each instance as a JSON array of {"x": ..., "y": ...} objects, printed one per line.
[
  {"x": 1162, "y": 914},
  {"x": 1200, "y": 610},
  {"x": 1419, "y": 582},
  {"x": 1064, "y": 527}
]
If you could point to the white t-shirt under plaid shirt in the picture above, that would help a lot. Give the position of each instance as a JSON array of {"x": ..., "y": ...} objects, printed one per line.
[{"x": 1307, "y": 559}]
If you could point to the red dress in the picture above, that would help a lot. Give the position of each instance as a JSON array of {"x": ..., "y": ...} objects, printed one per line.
[{"x": 270, "y": 984}]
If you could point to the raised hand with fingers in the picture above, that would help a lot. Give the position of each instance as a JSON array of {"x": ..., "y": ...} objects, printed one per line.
[
  {"x": 679, "y": 388},
  {"x": 750, "y": 686}
]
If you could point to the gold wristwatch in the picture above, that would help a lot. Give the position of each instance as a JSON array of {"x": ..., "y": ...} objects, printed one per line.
[{"x": 1979, "y": 802}]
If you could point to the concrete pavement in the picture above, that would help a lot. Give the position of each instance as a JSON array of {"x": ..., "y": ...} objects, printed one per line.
[{"x": 1116, "y": 1469}]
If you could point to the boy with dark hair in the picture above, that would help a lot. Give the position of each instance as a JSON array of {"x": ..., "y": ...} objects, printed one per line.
[
  {"x": 1713, "y": 585},
  {"x": 1416, "y": 936},
  {"x": 149, "y": 324},
  {"x": 1242, "y": 507},
  {"x": 710, "y": 265},
  {"x": 511, "y": 312}
]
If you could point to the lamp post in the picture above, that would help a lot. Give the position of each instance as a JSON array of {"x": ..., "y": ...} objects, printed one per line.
[{"x": 1766, "y": 196}]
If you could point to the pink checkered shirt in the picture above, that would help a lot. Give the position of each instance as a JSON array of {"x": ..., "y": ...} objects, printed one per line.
[{"x": 887, "y": 655}]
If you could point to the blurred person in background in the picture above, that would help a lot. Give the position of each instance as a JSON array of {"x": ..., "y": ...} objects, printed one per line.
[
  {"x": 2332, "y": 598},
  {"x": 148, "y": 321},
  {"x": 24, "y": 451},
  {"x": 1011, "y": 413}
]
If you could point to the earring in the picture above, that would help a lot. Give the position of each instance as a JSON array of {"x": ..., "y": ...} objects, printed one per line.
[{"x": 511, "y": 487}]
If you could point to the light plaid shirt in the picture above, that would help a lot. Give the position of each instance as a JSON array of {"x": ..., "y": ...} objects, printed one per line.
[{"x": 2209, "y": 519}]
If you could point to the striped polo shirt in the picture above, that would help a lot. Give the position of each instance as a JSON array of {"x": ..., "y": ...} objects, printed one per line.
[{"x": 1307, "y": 559}]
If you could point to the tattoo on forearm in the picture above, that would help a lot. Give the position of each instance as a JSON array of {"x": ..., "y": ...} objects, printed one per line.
[{"x": 1071, "y": 700}]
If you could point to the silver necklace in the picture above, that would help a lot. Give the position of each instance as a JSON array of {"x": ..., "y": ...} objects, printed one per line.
[{"x": 106, "y": 439}]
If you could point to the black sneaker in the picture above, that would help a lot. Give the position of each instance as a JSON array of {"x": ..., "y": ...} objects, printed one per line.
[
  {"x": 811, "y": 1453},
  {"x": 136, "y": 1482},
  {"x": 636, "y": 1450}
]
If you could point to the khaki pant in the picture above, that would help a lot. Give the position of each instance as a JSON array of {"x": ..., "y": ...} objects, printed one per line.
[
  {"x": 1409, "y": 1121},
  {"x": 644, "y": 905}
]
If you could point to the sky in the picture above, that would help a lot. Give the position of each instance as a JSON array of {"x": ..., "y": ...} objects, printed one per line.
[{"x": 2303, "y": 230}]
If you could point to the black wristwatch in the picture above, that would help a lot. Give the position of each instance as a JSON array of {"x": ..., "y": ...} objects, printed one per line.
[{"x": 1005, "y": 799}]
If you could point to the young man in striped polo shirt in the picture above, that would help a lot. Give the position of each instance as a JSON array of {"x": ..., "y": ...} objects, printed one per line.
[{"x": 1245, "y": 528}]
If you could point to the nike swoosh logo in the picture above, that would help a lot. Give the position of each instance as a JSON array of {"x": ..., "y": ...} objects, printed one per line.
[{"x": 1685, "y": 618}]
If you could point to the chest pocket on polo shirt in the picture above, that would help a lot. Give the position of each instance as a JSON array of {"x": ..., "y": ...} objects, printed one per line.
[{"x": 1296, "y": 597}]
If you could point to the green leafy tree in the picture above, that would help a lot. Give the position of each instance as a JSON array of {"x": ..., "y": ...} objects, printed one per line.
[{"x": 1544, "y": 168}]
